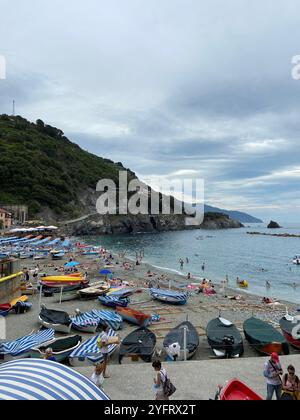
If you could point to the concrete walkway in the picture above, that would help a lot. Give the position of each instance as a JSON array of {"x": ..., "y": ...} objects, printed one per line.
[{"x": 194, "y": 380}]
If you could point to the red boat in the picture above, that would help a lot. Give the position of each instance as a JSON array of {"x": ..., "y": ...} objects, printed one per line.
[
  {"x": 290, "y": 327},
  {"x": 134, "y": 317},
  {"x": 236, "y": 390},
  {"x": 5, "y": 307}
]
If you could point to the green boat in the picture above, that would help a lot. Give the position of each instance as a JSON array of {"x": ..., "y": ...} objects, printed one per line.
[
  {"x": 264, "y": 338},
  {"x": 61, "y": 348}
]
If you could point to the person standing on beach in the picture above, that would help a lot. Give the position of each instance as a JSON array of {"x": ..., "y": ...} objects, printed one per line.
[
  {"x": 291, "y": 384},
  {"x": 273, "y": 372},
  {"x": 103, "y": 344},
  {"x": 97, "y": 377}
]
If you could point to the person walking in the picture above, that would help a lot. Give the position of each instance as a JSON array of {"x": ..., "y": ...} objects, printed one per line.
[
  {"x": 291, "y": 385},
  {"x": 273, "y": 372},
  {"x": 97, "y": 377},
  {"x": 159, "y": 381},
  {"x": 103, "y": 344}
]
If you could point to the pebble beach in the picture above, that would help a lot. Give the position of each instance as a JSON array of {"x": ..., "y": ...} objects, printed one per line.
[{"x": 199, "y": 310}]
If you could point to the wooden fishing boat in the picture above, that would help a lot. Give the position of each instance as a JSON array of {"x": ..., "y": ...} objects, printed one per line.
[
  {"x": 224, "y": 338},
  {"x": 57, "y": 320},
  {"x": 58, "y": 256},
  {"x": 169, "y": 296},
  {"x": 62, "y": 279},
  {"x": 175, "y": 340},
  {"x": 290, "y": 326},
  {"x": 236, "y": 390},
  {"x": 264, "y": 338},
  {"x": 139, "y": 343},
  {"x": 95, "y": 290},
  {"x": 19, "y": 299},
  {"x": 5, "y": 309},
  {"x": 114, "y": 301},
  {"x": 61, "y": 348},
  {"x": 133, "y": 316},
  {"x": 20, "y": 348}
]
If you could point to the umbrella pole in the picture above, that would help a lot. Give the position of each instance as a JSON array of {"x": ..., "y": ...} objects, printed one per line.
[
  {"x": 40, "y": 298},
  {"x": 185, "y": 343},
  {"x": 61, "y": 293}
]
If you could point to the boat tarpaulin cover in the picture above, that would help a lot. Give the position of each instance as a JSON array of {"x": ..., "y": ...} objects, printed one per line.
[
  {"x": 140, "y": 342},
  {"x": 176, "y": 335},
  {"x": 55, "y": 317},
  {"x": 24, "y": 344}
]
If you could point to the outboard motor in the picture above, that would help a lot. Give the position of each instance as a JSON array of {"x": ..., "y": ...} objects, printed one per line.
[{"x": 228, "y": 342}]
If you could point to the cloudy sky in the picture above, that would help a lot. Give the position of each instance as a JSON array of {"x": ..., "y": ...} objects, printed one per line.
[{"x": 172, "y": 88}]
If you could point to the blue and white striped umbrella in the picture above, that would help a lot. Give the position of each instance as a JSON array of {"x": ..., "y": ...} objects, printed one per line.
[{"x": 37, "y": 379}]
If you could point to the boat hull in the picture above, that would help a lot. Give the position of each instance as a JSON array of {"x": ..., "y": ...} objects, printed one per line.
[
  {"x": 236, "y": 390},
  {"x": 264, "y": 338},
  {"x": 66, "y": 329},
  {"x": 224, "y": 339},
  {"x": 176, "y": 336}
]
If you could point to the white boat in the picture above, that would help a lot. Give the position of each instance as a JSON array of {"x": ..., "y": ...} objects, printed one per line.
[
  {"x": 296, "y": 260},
  {"x": 57, "y": 320}
]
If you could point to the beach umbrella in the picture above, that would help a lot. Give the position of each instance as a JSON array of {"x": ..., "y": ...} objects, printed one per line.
[
  {"x": 38, "y": 379},
  {"x": 105, "y": 272},
  {"x": 72, "y": 264}
]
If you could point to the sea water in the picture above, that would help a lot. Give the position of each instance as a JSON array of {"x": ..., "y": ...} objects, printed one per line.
[{"x": 229, "y": 252}]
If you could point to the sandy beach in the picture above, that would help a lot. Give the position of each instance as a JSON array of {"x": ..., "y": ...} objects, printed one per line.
[{"x": 200, "y": 308}]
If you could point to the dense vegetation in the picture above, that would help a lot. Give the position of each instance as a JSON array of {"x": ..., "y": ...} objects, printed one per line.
[{"x": 40, "y": 167}]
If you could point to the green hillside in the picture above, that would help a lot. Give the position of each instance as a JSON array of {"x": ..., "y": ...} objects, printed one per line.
[{"x": 40, "y": 167}]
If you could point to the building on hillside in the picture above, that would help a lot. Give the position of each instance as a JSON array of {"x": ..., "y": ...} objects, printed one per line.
[
  {"x": 5, "y": 219},
  {"x": 19, "y": 212}
]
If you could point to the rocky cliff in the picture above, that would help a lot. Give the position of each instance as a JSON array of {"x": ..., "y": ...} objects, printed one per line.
[{"x": 116, "y": 224}]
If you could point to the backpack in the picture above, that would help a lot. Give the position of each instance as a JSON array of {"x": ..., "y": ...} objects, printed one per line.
[{"x": 168, "y": 387}]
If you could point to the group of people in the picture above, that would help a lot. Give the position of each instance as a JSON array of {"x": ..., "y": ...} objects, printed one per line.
[{"x": 285, "y": 386}]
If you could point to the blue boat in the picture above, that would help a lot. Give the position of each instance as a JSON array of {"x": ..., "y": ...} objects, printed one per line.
[
  {"x": 58, "y": 256},
  {"x": 169, "y": 296},
  {"x": 90, "y": 321},
  {"x": 114, "y": 301}
]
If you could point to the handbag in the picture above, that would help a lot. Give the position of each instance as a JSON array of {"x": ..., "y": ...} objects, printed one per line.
[{"x": 168, "y": 387}]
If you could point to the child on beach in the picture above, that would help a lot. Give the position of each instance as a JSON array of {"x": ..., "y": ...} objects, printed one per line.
[{"x": 97, "y": 377}]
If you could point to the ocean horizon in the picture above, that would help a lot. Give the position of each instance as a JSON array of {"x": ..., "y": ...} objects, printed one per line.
[{"x": 230, "y": 252}]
